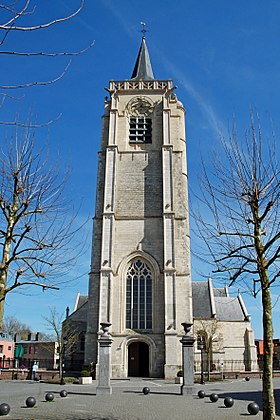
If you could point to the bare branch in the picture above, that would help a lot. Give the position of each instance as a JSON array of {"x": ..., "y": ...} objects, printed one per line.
[
  {"x": 8, "y": 26},
  {"x": 38, "y": 225},
  {"x": 44, "y": 54},
  {"x": 240, "y": 224},
  {"x": 236, "y": 234},
  {"x": 30, "y": 125},
  {"x": 38, "y": 83},
  {"x": 15, "y": 14},
  {"x": 27, "y": 283}
]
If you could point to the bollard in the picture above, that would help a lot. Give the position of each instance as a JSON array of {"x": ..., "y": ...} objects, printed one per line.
[
  {"x": 63, "y": 393},
  {"x": 146, "y": 390},
  {"x": 253, "y": 408},
  {"x": 201, "y": 394},
  {"x": 4, "y": 409},
  {"x": 214, "y": 397},
  {"x": 49, "y": 397},
  {"x": 228, "y": 402},
  {"x": 30, "y": 402}
]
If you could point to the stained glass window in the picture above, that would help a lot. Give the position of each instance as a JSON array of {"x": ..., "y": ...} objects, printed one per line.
[{"x": 139, "y": 296}]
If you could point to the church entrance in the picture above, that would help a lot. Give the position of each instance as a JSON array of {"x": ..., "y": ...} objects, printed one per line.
[{"x": 138, "y": 359}]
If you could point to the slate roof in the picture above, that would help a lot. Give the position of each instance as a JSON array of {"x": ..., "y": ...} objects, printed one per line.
[
  {"x": 209, "y": 302},
  {"x": 220, "y": 292},
  {"x": 201, "y": 300},
  {"x": 228, "y": 309},
  {"x": 143, "y": 68},
  {"x": 81, "y": 301}
]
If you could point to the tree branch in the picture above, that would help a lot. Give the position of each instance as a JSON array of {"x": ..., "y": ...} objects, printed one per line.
[
  {"x": 8, "y": 27},
  {"x": 27, "y": 283},
  {"x": 44, "y": 54},
  {"x": 37, "y": 83}
]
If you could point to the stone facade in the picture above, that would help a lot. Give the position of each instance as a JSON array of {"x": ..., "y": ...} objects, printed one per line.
[
  {"x": 140, "y": 277},
  {"x": 141, "y": 215}
]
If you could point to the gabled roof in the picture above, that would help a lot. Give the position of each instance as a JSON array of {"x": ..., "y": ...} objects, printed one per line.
[
  {"x": 201, "y": 300},
  {"x": 229, "y": 309},
  {"x": 80, "y": 301},
  {"x": 80, "y": 309},
  {"x": 143, "y": 68},
  {"x": 220, "y": 292},
  {"x": 209, "y": 302}
]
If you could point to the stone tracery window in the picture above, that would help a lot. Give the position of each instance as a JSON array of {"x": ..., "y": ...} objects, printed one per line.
[{"x": 139, "y": 296}]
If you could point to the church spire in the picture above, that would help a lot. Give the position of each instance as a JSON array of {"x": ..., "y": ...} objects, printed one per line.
[{"x": 143, "y": 69}]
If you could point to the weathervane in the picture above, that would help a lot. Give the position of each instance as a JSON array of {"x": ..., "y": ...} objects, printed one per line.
[{"x": 143, "y": 30}]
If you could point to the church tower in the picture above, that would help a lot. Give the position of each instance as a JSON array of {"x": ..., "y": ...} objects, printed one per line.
[{"x": 140, "y": 279}]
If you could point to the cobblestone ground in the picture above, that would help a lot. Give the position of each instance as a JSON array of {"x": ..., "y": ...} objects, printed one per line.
[{"x": 127, "y": 401}]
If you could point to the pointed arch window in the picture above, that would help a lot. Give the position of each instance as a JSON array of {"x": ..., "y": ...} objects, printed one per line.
[{"x": 139, "y": 296}]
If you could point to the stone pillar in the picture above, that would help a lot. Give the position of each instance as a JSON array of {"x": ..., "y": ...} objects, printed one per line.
[
  {"x": 188, "y": 360},
  {"x": 104, "y": 355}
]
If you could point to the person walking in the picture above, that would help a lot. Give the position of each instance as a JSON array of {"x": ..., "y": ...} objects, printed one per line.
[{"x": 34, "y": 371}]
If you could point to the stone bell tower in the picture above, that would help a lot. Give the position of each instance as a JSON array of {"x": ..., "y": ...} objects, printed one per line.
[{"x": 140, "y": 279}]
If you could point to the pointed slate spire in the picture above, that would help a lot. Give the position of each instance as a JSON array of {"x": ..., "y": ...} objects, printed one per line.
[{"x": 143, "y": 69}]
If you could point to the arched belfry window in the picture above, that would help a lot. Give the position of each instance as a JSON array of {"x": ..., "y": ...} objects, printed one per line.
[
  {"x": 140, "y": 130},
  {"x": 140, "y": 112},
  {"x": 139, "y": 296}
]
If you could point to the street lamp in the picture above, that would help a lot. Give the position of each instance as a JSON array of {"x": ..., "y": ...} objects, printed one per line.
[
  {"x": 64, "y": 344},
  {"x": 200, "y": 346}
]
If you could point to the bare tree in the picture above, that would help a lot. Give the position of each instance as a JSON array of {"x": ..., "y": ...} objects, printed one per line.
[
  {"x": 13, "y": 326},
  {"x": 13, "y": 18},
  {"x": 240, "y": 225},
  {"x": 66, "y": 341},
  {"x": 208, "y": 332},
  {"x": 38, "y": 227}
]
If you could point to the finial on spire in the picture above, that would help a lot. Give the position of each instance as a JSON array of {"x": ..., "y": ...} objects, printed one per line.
[{"x": 143, "y": 30}]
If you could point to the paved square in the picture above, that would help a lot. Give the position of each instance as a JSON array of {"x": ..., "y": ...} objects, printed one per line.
[{"x": 129, "y": 403}]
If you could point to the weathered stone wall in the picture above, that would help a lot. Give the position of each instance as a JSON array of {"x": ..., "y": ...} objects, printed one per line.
[{"x": 142, "y": 210}]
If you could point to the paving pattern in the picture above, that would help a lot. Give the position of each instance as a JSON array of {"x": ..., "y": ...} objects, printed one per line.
[{"x": 128, "y": 402}]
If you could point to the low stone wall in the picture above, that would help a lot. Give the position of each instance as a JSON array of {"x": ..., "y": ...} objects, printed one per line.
[
  {"x": 17, "y": 374},
  {"x": 45, "y": 375},
  {"x": 234, "y": 375}
]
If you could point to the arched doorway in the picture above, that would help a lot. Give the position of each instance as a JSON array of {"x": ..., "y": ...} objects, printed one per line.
[{"x": 138, "y": 359}]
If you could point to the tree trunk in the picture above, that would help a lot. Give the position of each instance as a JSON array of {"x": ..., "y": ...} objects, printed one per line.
[
  {"x": 60, "y": 365},
  {"x": 4, "y": 266},
  {"x": 209, "y": 365},
  {"x": 3, "y": 285},
  {"x": 1, "y": 310},
  {"x": 268, "y": 397}
]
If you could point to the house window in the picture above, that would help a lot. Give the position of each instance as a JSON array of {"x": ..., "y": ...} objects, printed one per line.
[
  {"x": 1, "y": 348},
  {"x": 139, "y": 296},
  {"x": 10, "y": 348},
  {"x": 140, "y": 130}
]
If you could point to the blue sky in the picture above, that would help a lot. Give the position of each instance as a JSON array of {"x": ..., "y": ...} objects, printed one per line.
[{"x": 222, "y": 56}]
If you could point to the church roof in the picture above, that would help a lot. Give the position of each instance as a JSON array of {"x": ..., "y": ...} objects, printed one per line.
[
  {"x": 222, "y": 292},
  {"x": 228, "y": 309},
  {"x": 209, "y": 302},
  {"x": 80, "y": 301},
  {"x": 143, "y": 68},
  {"x": 201, "y": 300}
]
